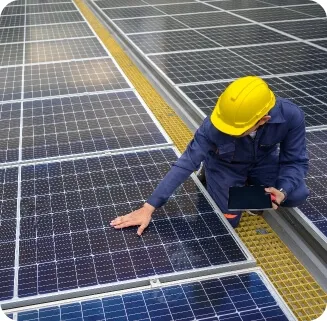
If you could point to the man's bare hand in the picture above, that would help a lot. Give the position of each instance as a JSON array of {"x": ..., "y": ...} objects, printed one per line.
[
  {"x": 140, "y": 217},
  {"x": 278, "y": 194}
]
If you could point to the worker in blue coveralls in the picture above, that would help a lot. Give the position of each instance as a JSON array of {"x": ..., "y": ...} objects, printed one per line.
[{"x": 238, "y": 144}]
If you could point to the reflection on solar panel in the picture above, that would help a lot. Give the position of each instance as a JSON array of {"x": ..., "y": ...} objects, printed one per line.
[
  {"x": 11, "y": 54},
  {"x": 8, "y": 186},
  {"x": 236, "y": 297},
  {"x": 55, "y": 17},
  {"x": 59, "y": 50},
  {"x": 315, "y": 209},
  {"x": 302, "y": 90},
  {"x": 186, "y": 67},
  {"x": 59, "y": 31},
  {"x": 86, "y": 124},
  {"x": 171, "y": 41},
  {"x": 72, "y": 77},
  {"x": 66, "y": 241},
  {"x": 10, "y": 83},
  {"x": 11, "y": 35},
  {"x": 54, "y": 7}
]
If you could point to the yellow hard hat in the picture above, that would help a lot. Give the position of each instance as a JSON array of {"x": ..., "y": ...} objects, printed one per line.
[{"x": 243, "y": 103}]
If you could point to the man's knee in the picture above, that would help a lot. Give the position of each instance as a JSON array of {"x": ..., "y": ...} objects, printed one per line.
[{"x": 297, "y": 197}]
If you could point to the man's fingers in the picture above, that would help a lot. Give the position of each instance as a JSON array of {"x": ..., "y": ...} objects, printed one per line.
[
  {"x": 122, "y": 225},
  {"x": 141, "y": 229},
  {"x": 118, "y": 220}
]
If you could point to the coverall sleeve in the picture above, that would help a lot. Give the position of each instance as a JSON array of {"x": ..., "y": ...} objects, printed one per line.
[
  {"x": 293, "y": 157},
  {"x": 189, "y": 162}
]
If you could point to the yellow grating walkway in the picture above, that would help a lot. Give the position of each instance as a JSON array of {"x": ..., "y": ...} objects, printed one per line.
[{"x": 304, "y": 296}]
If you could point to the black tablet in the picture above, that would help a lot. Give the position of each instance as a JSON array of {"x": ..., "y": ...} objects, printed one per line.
[{"x": 249, "y": 198}]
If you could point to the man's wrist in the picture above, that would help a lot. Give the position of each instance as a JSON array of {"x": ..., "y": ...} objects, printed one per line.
[
  {"x": 149, "y": 207},
  {"x": 285, "y": 194}
]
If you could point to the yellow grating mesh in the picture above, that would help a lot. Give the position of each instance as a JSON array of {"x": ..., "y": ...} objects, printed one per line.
[{"x": 303, "y": 295}]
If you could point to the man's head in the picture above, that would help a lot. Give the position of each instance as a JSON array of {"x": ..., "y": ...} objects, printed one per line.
[{"x": 243, "y": 106}]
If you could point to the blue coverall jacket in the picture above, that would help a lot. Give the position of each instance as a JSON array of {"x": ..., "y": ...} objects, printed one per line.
[{"x": 231, "y": 161}]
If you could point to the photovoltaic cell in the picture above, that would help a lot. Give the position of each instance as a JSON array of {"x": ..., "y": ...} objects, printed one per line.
[
  {"x": 312, "y": 10},
  {"x": 283, "y": 58},
  {"x": 242, "y": 35},
  {"x": 204, "y": 66},
  {"x": 171, "y": 41},
  {"x": 185, "y": 8},
  {"x": 8, "y": 188},
  {"x": 54, "y": 7},
  {"x": 54, "y": 17},
  {"x": 235, "y": 4},
  {"x": 72, "y": 77},
  {"x": 10, "y": 83},
  {"x": 12, "y": 21},
  {"x": 59, "y": 31},
  {"x": 272, "y": 14},
  {"x": 9, "y": 132},
  {"x": 86, "y": 124},
  {"x": 13, "y": 10},
  {"x": 148, "y": 24},
  {"x": 237, "y": 297},
  {"x": 121, "y": 13},
  {"x": 210, "y": 19},
  {"x": 315, "y": 208},
  {"x": 44, "y": 1},
  {"x": 11, "y": 35},
  {"x": 288, "y": 2},
  {"x": 305, "y": 29},
  {"x": 119, "y": 3},
  {"x": 11, "y": 54},
  {"x": 59, "y": 50},
  {"x": 66, "y": 241},
  {"x": 322, "y": 43},
  {"x": 153, "y": 2}
]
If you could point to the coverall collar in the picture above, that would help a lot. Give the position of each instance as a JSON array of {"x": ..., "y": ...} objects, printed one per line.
[{"x": 276, "y": 114}]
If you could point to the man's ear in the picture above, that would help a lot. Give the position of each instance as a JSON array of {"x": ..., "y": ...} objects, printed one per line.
[{"x": 264, "y": 120}]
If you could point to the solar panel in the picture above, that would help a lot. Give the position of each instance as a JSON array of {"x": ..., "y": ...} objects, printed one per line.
[
  {"x": 54, "y": 17},
  {"x": 66, "y": 242},
  {"x": 86, "y": 124},
  {"x": 209, "y": 19},
  {"x": 9, "y": 132},
  {"x": 59, "y": 31},
  {"x": 54, "y": 7},
  {"x": 11, "y": 54},
  {"x": 153, "y": 2},
  {"x": 242, "y": 35},
  {"x": 285, "y": 58},
  {"x": 59, "y": 50},
  {"x": 132, "y": 12},
  {"x": 238, "y": 296},
  {"x": 312, "y": 10},
  {"x": 171, "y": 41},
  {"x": 119, "y": 3},
  {"x": 288, "y": 2},
  {"x": 10, "y": 83},
  {"x": 11, "y": 21},
  {"x": 13, "y": 10},
  {"x": 236, "y": 4},
  {"x": 9, "y": 187},
  {"x": 322, "y": 43},
  {"x": 11, "y": 35},
  {"x": 139, "y": 25},
  {"x": 305, "y": 29},
  {"x": 200, "y": 66},
  {"x": 185, "y": 8},
  {"x": 272, "y": 14},
  {"x": 315, "y": 208},
  {"x": 44, "y": 1},
  {"x": 73, "y": 77}
]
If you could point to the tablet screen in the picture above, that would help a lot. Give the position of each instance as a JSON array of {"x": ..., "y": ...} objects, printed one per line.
[{"x": 248, "y": 198}]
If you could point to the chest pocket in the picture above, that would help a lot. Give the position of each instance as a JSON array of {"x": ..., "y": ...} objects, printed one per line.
[{"x": 226, "y": 152}]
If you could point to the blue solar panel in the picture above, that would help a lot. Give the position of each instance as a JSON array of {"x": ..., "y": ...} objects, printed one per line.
[
  {"x": 66, "y": 241},
  {"x": 237, "y": 297},
  {"x": 8, "y": 192},
  {"x": 315, "y": 209}
]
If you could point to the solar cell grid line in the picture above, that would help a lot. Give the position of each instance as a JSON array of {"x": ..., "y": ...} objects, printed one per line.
[
  {"x": 310, "y": 10},
  {"x": 9, "y": 35},
  {"x": 54, "y": 7},
  {"x": 11, "y": 54},
  {"x": 75, "y": 77},
  {"x": 119, "y": 3},
  {"x": 132, "y": 12},
  {"x": 235, "y": 4},
  {"x": 292, "y": 57},
  {"x": 10, "y": 83},
  {"x": 203, "y": 298},
  {"x": 63, "y": 50},
  {"x": 171, "y": 41},
  {"x": 58, "y": 31},
  {"x": 53, "y": 18},
  {"x": 322, "y": 43},
  {"x": 66, "y": 208},
  {"x": 154, "y": 2},
  {"x": 87, "y": 124},
  {"x": 46, "y": 1},
  {"x": 14, "y": 10},
  {"x": 187, "y": 67},
  {"x": 288, "y": 2},
  {"x": 305, "y": 29},
  {"x": 11, "y": 21},
  {"x": 8, "y": 197},
  {"x": 184, "y": 8}
]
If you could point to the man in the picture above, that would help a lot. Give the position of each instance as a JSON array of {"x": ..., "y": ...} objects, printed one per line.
[{"x": 239, "y": 144}]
